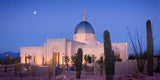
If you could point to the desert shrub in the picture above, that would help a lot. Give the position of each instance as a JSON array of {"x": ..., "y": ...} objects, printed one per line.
[
  {"x": 50, "y": 68},
  {"x": 33, "y": 70},
  {"x": 101, "y": 65},
  {"x": 131, "y": 57},
  {"x": 117, "y": 57}
]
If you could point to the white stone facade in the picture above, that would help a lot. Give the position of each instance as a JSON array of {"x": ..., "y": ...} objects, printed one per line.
[
  {"x": 84, "y": 39},
  {"x": 67, "y": 47}
]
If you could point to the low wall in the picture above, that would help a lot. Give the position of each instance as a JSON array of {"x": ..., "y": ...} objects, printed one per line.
[
  {"x": 125, "y": 67},
  {"x": 130, "y": 66},
  {"x": 120, "y": 67},
  {"x": 9, "y": 68}
]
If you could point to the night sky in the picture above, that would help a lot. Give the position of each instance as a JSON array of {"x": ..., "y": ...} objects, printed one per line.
[{"x": 21, "y": 27}]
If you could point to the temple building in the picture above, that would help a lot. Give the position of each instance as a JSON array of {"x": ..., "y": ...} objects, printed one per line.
[{"x": 56, "y": 49}]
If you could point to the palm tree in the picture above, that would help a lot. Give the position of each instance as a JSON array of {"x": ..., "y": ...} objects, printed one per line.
[
  {"x": 29, "y": 57},
  {"x": 93, "y": 58},
  {"x": 74, "y": 60},
  {"x": 86, "y": 59},
  {"x": 66, "y": 60}
]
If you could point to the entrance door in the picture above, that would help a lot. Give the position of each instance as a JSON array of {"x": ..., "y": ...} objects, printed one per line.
[{"x": 56, "y": 57}]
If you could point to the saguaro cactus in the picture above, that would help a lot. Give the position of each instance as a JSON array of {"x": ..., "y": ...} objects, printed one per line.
[
  {"x": 150, "y": 49},
  {"x": 109, "y": 56},
  {"x": 79, "y": 63}
]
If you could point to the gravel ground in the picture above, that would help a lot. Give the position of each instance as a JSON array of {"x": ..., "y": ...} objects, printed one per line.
[{"x": 41, "y": 74}]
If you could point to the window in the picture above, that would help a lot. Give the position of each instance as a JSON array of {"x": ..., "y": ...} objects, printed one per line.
[
  {"x": 34, "y": 59},
  {"x": 43, "y": 60},
  {"x": 88, "y": 37},
  {"x": 25, "y": 59}
]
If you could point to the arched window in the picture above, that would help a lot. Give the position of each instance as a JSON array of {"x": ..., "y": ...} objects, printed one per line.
[
  {"x": 34, "y": 59},
  {"x": 43, "y": 60},
  {"x": 25, "y": 59},
  {"x": 88, "y": 36}
]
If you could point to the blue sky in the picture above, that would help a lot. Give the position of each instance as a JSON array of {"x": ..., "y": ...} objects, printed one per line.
[{"x": 19, "y": 27}]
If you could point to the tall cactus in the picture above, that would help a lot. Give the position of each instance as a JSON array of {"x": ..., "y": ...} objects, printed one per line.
[
  {"x": 150, "y": 49},
  {"x": 109, "y": 56},
  {"x": 79, "y": 63}
]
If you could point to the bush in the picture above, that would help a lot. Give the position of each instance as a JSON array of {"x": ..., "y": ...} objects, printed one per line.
[
  {"x": 117, "y": 57},
  {"x": 50, "y": 68},
  {"x": 131, "y": 57},
  {"x": 33, "y": 70}
]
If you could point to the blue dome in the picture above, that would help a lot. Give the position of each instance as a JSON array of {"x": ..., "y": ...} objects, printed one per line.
[{"x": 84, "y": 27}]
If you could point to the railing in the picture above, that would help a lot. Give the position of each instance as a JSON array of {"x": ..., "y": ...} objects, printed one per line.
[{"x": 9, "y": 68}]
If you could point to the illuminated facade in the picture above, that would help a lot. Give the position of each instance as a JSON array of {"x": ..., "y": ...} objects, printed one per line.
[{"x": 56, "y": 49}]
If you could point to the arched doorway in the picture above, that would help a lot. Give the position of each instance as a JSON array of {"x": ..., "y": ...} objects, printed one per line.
[{"x": 56, "y": 57}]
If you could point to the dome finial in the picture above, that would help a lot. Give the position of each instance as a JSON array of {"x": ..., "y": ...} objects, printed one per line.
[{"x": 84, "y": 17}]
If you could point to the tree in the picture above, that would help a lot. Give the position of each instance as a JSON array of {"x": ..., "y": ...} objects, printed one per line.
[
  {"x": 29, "y": 57},
  {"x": 33, "y": 70},
  {"x": 9, "y": 59},
  {"x": 16, "y": 66},
  {"x": 101, "y": 65},
  {"x": 73, "y": 58},
  {"x": 66, "y": 60},
  {"x": 86, "y": 59},
  {"x": 50, "y": 68},
  {"x": 137, "y": 47},
  {"x": 89, "y": 59},
  {"x": 131, "y": 57},
  {"x": 117, "y": 57},
  {"x": 93, "y": 58}
]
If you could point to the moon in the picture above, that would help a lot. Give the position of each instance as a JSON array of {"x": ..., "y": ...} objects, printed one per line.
[{"x": 34, "y": 12}]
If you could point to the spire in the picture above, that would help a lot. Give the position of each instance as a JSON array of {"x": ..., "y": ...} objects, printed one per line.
[{"x": 84, "y": 17}]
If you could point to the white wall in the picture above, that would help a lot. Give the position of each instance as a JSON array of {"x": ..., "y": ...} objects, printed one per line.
[
  {"x": 129, "y": 66},
  {"x": 98, "y": 50},
  {"x": 69, "y": 48},
  {"x": 33, "y": 51}
]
